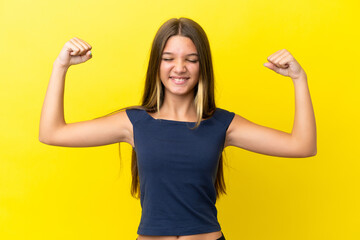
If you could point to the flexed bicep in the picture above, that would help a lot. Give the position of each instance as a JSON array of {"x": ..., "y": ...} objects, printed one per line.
[{"x": 245, "y": 134}]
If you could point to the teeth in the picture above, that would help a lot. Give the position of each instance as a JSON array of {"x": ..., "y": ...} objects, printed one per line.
[{"x": 179, "y": 79}]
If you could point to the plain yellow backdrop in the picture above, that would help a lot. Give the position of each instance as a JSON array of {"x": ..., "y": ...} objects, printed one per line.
[{"x": 49, "y": 192}]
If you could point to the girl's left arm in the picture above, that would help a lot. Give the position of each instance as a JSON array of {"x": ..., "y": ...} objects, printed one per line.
[{"x": 301, "y": 142}]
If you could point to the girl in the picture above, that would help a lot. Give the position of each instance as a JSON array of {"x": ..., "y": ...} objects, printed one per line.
[{"x": 178, "y": 134}]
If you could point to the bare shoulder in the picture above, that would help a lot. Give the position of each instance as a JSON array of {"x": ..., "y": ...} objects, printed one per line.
[
  {"x": 123, "y": 125},
  {"x": 237, "y": 122}
]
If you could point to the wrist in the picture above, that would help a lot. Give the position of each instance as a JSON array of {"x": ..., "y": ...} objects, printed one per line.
[
  {"x": 57, "y": 64},
  {"x": 301, "y": 77}
]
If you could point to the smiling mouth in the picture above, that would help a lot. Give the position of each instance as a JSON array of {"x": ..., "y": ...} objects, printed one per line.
[{"x": 179, "y": 80}]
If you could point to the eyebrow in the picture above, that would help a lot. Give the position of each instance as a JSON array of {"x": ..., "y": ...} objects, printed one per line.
[{"x": 191, "y": 54}]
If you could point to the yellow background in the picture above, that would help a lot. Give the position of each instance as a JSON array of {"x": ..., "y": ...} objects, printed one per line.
[{"x": 49, "y": 192}]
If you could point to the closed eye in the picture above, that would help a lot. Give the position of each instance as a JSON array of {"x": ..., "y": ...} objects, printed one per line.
[{"x": 170, "y": 59}]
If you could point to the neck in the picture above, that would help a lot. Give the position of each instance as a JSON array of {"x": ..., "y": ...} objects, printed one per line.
[{"x": 181, "y": 108}]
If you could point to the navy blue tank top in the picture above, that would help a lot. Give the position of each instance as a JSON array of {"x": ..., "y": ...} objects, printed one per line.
[{"x": 177, "y": 171}]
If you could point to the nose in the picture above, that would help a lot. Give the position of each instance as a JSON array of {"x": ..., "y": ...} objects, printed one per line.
[{"x": 180, "y": 66}]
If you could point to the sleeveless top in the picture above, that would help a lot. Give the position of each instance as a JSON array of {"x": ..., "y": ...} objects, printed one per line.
[{"x": 177, "y": 171}]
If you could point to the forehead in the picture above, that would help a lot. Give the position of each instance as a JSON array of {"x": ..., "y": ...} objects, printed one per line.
[{"x": 179, "y": 45}]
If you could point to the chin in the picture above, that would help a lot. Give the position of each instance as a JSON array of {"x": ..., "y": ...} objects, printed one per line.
[{"x": 181, "y": 93}]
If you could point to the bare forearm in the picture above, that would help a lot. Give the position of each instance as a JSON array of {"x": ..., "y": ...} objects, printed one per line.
[
  {"x": 304, "y": 128},
  {"x": 52, "y": 113}
]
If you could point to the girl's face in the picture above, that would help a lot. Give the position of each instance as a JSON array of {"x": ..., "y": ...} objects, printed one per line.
[{"x": 179, "y": 68}]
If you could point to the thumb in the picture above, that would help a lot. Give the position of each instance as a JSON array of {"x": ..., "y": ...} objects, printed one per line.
[
  {"x": 273, "y": 67},
  {"x": 270, "y": 66},
  {"x": 87, "y": 56},
  {"x": 276, "y": 69}
]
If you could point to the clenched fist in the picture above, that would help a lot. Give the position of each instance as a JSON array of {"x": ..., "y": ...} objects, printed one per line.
[
  {"x": 75, "y": 51},
  {"x": 284, "y": 63}
]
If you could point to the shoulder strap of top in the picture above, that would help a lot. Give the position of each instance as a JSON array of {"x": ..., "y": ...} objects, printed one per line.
[
  {"x": 135, "y": 114},
  {"x": 224, "y": 116}
]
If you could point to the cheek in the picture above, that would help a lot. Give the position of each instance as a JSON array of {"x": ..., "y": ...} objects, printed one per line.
[
  {"x": 164, "y": 69},
  {"x": 195, "y": 70},
  {"x": 162, "y": 72}
]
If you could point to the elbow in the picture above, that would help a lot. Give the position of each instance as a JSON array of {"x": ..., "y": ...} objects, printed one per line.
[
  {"x": 41, "y": 136},
  {"x": 303, "y": 151},
  {"x": 314, "y": 152},
  {"x": 49, "y": 137},
  {"x": 44, "y": 139},
  {"x": 45, "y": 136},
  {"x": 310, "y": 152}
]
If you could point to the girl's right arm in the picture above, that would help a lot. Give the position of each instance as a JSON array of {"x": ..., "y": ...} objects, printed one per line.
[{"x": 53, "y": 128}]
